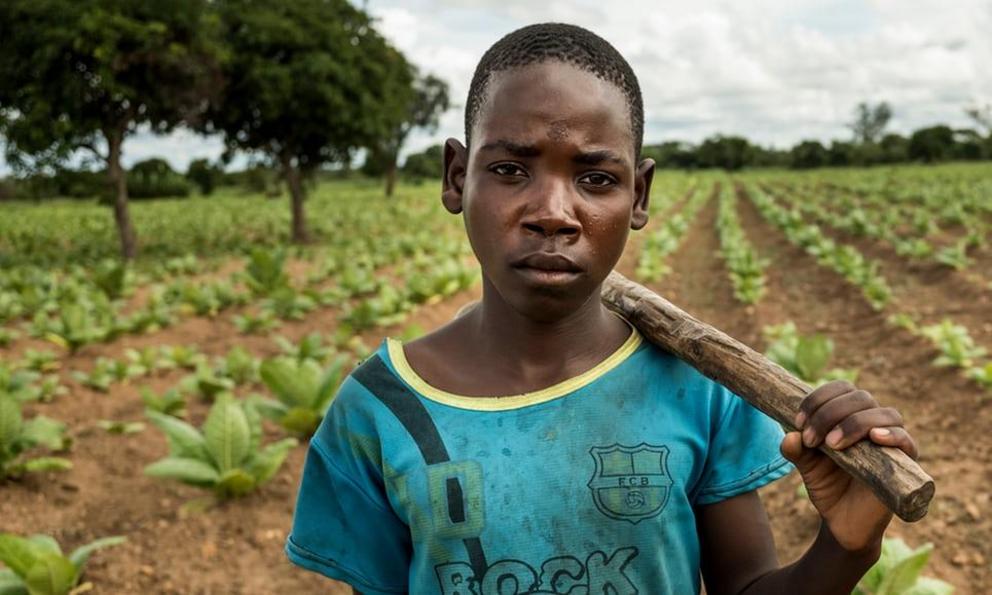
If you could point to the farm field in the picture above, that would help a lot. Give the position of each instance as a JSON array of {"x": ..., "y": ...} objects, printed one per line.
[{"x": 893, "y": 265}]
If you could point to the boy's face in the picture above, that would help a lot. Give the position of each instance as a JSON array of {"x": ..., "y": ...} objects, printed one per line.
[{"x": 550, "y": 188}]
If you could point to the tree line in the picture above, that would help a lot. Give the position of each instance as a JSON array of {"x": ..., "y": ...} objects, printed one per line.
[
  {"x": 298, "y": 85},
  {"x": 868, "y": 145}
]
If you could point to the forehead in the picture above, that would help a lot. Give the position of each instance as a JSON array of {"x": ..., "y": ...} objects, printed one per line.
[{"x": 555, "y": 101}]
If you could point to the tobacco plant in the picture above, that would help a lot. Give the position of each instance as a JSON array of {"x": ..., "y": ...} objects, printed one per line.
[
  {"x": 310, "y": 347},
  {"x": 37, "y": 566},
  {"x": 18, "y": 435},
  {"x": 804, "y": 356},
  {"x": 238, "y": 365},
  {"x": 171, "y": 402},
  {"x": 304, "y": 392},
  {"x": 897, "y": 572},
  {"x": 225, "y": 455},
  {"x": 956, "y": 346}
]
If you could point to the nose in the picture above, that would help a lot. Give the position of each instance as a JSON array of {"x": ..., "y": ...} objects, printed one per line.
[{"x": 552, "y": 212}]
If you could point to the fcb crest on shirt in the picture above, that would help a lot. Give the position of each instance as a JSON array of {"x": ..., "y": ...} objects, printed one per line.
[{"x": 630, "y": 483}]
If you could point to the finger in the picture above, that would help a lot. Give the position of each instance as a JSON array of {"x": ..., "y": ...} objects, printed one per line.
[
  {"x": 792, "y": 447},
  {"x": 834, "y": 412},
  {"x": 817, "y": 397},
  {"x": 810, "y": 462},
  {"x": 895, "y": 436},
  {"x": 857, "y": 425}
]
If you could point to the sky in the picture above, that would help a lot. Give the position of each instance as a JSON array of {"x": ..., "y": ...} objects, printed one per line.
[{"x": 774, "y": 71}]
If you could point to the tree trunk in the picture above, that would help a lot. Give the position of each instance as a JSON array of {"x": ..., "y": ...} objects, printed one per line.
[
  {"x": 118, "y": 183},
  {"x": 296, "y": 197},
  {"x": 391, "y": 176}
]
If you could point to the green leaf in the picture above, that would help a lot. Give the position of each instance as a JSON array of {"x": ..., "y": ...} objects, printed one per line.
[
  {"x": 903, "y": 574},
  {"x": 39, "y": 464},
  {"x": 812, "y": 355},
  {"x": 184, "y": 439},
  {"x": 926, "y": 585},
  {"x": 41, "y": 430},
  {"x": 265, "y": 464},
  {"x": 269, "y": 408},
  {"x": 81, "y": 554},
  {"x": 11, "y": 584},
  {"x": 227, "y": 434},
  {"x": 193, "y": 471},
  {"x": 329, "y": 384},
  {"x": 292, "y": 382},
  {"x": 254, "y": 419},
  {"x": 51, "y": 574},
  {"x": 236, "y": 482},
  {"x": 18, "y": 553},
  {"x": 300, "y": 420},
  {"x": 10, "y": 421},
  {"x": 46, "y": 543}
]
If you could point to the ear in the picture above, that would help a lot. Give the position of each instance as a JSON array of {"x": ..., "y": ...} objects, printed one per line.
[
  {"x": 453, "y": 181},
  {"x": 642, "y": 193}
]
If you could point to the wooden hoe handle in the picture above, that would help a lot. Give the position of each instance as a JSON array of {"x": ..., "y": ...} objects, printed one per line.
[{"x": 898, "y": 481}]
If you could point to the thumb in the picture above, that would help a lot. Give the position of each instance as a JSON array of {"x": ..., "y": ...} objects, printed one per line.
[{"x": 792, "y": 448}]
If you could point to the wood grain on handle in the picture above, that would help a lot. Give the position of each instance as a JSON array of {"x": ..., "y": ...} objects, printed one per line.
[{"x": 898, "y": 481}]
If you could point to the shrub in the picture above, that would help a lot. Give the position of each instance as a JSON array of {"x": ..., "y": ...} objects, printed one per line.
[{"x": 155, "y": 178}]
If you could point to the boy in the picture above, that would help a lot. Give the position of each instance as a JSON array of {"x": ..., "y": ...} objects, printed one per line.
[{"x": 611, "y": 466}]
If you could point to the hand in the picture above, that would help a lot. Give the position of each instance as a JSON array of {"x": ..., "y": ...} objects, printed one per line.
[{"x": 840, "y": 414}]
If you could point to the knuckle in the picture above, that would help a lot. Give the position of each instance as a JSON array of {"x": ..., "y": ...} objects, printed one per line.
[
  {"x": 894, "y": 417},
  {"x": 843, "y": 384},
  {"x": 864, "y": 397},
  {"x": 852, "y": 425}
]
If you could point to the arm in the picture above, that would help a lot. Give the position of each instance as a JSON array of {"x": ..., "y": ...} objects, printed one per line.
[
  {"x": 737, "y": 549},
  {"x": 738, "y": 555}
]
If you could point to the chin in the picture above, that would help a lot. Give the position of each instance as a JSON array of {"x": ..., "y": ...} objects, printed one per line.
[{"x": 548, "y": 304}]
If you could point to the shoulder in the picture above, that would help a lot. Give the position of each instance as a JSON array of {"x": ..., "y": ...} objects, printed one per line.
[
  {"x": 358, "y": 407},
  {"x": 653, "y": 360}
]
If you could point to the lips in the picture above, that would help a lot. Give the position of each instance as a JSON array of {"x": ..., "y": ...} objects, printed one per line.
[
  {"x": 548, "y": 261},
  {"x": 546, "y": 269}
]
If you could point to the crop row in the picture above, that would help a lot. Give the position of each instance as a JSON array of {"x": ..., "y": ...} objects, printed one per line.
[
  {"x": 666, "y": 237},
  {"x": 745, "y": 267}
]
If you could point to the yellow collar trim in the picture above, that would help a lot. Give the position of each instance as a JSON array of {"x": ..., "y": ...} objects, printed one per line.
[{"x": 398, "y": 358}]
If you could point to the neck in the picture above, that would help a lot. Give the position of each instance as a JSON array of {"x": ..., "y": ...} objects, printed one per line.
[{"x": 536, "y": 347}]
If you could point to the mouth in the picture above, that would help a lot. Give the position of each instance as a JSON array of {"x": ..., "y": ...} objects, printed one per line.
[{"x": 545, "y": 268}]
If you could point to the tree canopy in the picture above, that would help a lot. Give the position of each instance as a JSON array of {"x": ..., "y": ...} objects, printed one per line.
[
  {"x": 84, "y": 74},
  {"x": 307, "y": 83}
]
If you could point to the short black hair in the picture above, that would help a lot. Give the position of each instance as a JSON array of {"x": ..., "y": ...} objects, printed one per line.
[{"x": 557, "y": 41}]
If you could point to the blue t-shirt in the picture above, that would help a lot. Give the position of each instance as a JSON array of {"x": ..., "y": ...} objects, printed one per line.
[{"x": 584, "y": 485}]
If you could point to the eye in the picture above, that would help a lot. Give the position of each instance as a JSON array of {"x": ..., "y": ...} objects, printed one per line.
[
  {"x": 598, "y": 179},
  {"x": 508, "y": 169}
]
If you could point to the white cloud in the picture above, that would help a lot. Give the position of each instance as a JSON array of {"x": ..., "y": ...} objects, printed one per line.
[{"x": 776, "y": 71}]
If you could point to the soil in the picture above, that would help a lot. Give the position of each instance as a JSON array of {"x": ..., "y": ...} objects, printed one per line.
[{"x": 236, "y": 547}]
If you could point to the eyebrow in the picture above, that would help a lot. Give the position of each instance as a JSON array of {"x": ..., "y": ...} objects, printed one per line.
[
  {"x": 521, "y": 150},
  {"x": 515, "y": 149}
]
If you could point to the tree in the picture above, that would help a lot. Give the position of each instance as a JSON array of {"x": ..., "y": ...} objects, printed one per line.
[
  {"x": 155, "y": 178},
  {"x": 83, "y": 75},
  {"x": 935, "y": 143},
  {"x": 808, "y": 154},
  {"x": 205, "y": 175},
  {"x": 425, "y": 105},
  {"x": 308, "y": 82},
  {"x": 894, "y": 148},
  {"x": 842, "y": 153},
  {"x": 869, "y": 122},
  {"x": 426, "y": 164},
  {"x": 982, "y": 117},
  {"x": 726, "y": 152},
  {"x": 674, "y": 154}
]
